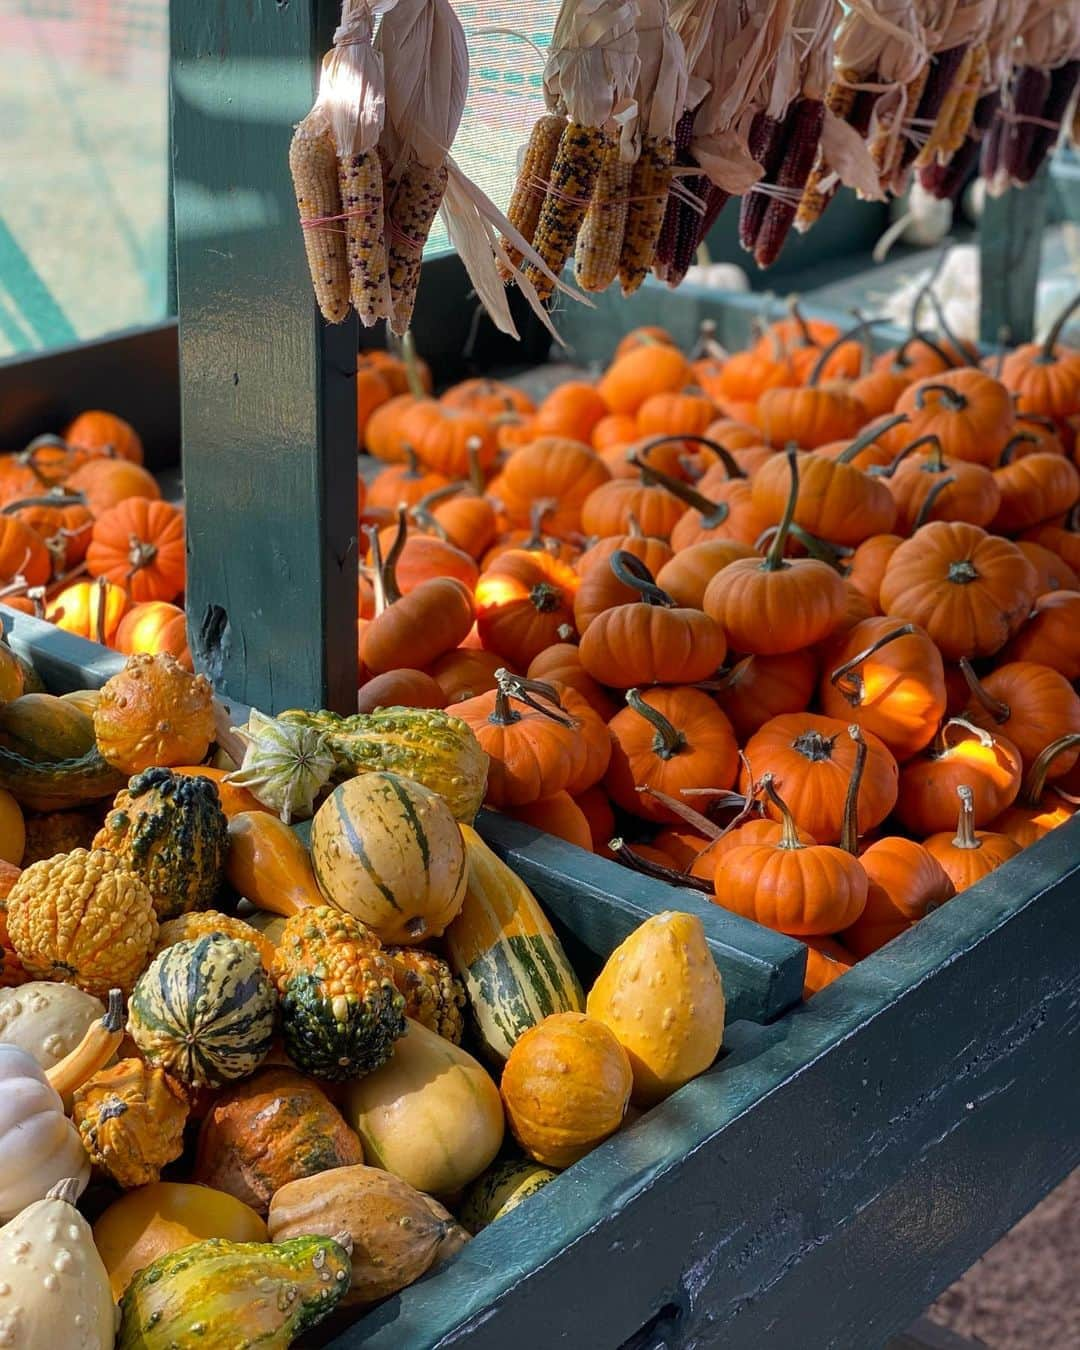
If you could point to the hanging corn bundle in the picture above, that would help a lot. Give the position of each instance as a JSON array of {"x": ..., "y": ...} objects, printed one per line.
[
  {"x": 589, "y": 77},
  {"x": 1035, "y": 98},
  {"x": 879, "y": 49},
  {"x": 731, "y": 50},
  {"x": 789, "y": 144},
  {"x": 661, "y": 95},
  {"x": 336, "y": 174}
]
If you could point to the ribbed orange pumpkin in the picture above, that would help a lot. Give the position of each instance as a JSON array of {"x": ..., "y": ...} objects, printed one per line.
[
  {"x": 969, "y": 412},
  {"x": 523, "y": 600},
  {"x": 560, "y": 664},
  {"x": 641, "y": 373},
  {"x": 22, "y": 553},
  {"x": 960, "y": 753},
  {"x": 139, "y": 544},
  {"x": 1035, "y": 488},
  {"x": 106, "y": 482},
  {"x": 906, "y": 883},
  {"x": 104, "y": 434},
  {"x": 687, "y": 575},
  {"x": 1051, "y": 635},
  {"x": 155, "y": 626},
  {"x": 927, "y": 487},
  {"x": 600, "y": 588},
  {"x": 969, "y": 854},
  {"x": 759, "y": 688},
  {"x": 441, "y": 437},
  {"x": 90, "y": 609},
  {"x": 1030, "y": 704},
  {"x": 561, "y": 471}
]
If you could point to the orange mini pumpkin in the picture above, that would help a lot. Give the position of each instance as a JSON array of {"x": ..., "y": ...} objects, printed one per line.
[
  {"x": 139, "y": 544},
  {"x": 969, "y": 412},
  {"x": 797, "y": 888},
  {"x": 104, "y": 434},
  {"x": 105, "y": 482},
  {"x": 556, "y": 469},
  {"x": 1031, "y": 704},
  {"x": 90, "y": 609},
  {"x": 22, "y": 553},
  {"x": 441, "y": 437},
  {"x": 906, "y": 883},
  {"x": 1051, "y": 635},
  {"x": 959, "y": 753},
  {"x": 639, "y": 374},
  {"x": 969, "y": 854},
  {"x": 650, "y": 641},
  {"x": 523, "y": 601},
  {"x": 155, "y": 626}
]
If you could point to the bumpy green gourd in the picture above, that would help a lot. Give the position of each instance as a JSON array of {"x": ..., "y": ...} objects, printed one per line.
[
  {"x": 340, "y": 1009},
  {"x": 204, "y": 1010},
  {"x": 221, "y": 1295},
  {"x": 286, "y": 765},
  {"x": 430, "y": 746},
  {"x": 169, "y": 829}
]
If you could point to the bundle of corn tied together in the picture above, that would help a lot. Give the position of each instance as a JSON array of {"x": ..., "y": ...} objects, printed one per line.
[
  {"x": 786, "y": 135},
  {"x": 622, "y": 224},
  {"x": 1035, "y": 97},
  {"x": 372, "y": 168},
  {"x": 336, "y": 174},
  {"x": 731, "y": 52},
  {"x": 589, "y": 81}
]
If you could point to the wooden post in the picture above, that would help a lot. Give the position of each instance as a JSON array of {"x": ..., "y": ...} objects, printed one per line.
[
  {"x": 268, "y": 396},
  {"x": 1010, "y": 250}
]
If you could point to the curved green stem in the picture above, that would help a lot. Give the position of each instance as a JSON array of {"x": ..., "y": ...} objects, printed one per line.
[
  {"x": 668, "y": 741},
  {"x": 849, "y": 829},
  {"x": 632, "y": 572},
  {"x": 869, "y": 435},
  {"x": 1046, "y": 355}
]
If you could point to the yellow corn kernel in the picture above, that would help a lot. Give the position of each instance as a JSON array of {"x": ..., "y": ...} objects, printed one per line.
[
  {"x": 649, "y": 187},
  {"x": 360, "y": 180},
  {"x": 599, "y": 245},
  {"x": 416, "y": 199},
  {"x": 571, "y": 182},
  {"x": 314, "y": 168},
  {"x": 527, "y": 198},
  {"x": 964, "y": 109},
  {"x": 943, "y": 122}
]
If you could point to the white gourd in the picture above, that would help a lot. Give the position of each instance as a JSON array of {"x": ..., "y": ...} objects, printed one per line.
[
  {"x": 54, "y": 1289},
  {"x": 39, "y": 1146},
  {"x": 46, "y": 1019}
]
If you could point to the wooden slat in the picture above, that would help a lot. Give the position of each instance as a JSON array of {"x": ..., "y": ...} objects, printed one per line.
[
  {"x": 268, "y": 397},
  {"x": 602, "y": 903}
]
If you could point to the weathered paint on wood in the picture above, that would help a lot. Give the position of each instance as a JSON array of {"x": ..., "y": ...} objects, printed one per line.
[
  {"x": 268, "y": 389},
  {"x": 602, "y": 902},
  {"x": 1010, "y": 251},
  {"x": 827, "y": 1179}
]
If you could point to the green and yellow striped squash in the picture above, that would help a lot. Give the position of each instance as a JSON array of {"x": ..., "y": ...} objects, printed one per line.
[
  {"x": 499, "y": 1190},
  {"x": 203, "y": 1010},
  {"x": 425, "y": 744},
  {"x": 225, "y": 1295},
  {"x": 387, "y": 851},
  {"x": 505, "y": 951}
]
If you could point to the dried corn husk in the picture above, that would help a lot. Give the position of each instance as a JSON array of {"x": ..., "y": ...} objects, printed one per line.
[{"x": 592, "y": 65}]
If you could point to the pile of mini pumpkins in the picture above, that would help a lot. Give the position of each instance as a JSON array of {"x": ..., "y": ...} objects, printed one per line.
[
  {"x": 237, "y": 1047},
  {"x": 800, "y": 623},
  {"x": 87, "y": 542}
]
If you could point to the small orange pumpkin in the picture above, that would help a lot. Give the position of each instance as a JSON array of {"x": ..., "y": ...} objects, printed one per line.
[{"x": 969, "y": 854}]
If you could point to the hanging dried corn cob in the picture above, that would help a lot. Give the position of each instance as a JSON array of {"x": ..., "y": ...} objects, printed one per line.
[
  {"x": 599, "y": 245},
  {"x": 675, "y": 207},
  {"x": 590, "y": 72},
  {"x": 802, "y": 135},
  {"x": 527, "y": 198},
  {"x": 942, "y": 127},
  {"x": 661, "y": 94},
  {"x": 313, "y": 165},
  {"x": 963, "y": 110},
  {"x": 426, "y": 60}
]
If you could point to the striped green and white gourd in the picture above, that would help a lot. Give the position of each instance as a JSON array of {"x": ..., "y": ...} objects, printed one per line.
[
  {"x": 505, "y": 951},
  {"x": 500, "y": 1189},
  {"x": 204, "y": 1010}
]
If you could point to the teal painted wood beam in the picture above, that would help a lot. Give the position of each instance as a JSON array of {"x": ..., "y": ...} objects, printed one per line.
[
  {"x": 268, "y": 399},
  {"x": 1010, "y": 252}
]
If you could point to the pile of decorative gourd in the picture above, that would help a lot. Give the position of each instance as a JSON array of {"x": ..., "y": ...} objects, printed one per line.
[
  {"x": 280, "y": 1125},
  {"x": 758, "y": 585},
  {"x": 87, "y": 542}
]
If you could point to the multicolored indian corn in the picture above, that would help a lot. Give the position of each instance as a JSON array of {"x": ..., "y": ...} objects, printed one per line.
[
  {"x": 649, "y": 187},
  {"x": 360, "y": 181},
  {"x": 600, "y": 243},
  {"x": 527, "y": 198},
  {"x": 314, "y": 168},
  {"x": 571, "y": 183},
  {"x": 416, "y": 199}
]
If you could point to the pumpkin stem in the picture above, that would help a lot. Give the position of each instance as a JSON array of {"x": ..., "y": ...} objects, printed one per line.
[
  {"x": 693, "y": 818},
  {"x": 1014, "y": 442},
  {"x": 632, "y": 572},
  {"x": 835, "y": 345},
  {"x": 849, "y": 829},
  {"x": 934, "y": 462},
  {"x": 851, "y": 686},
  {"x": 541, "y": 508},
  {"x": 902, "y": 360},
  {"x": 114, "y": 1011},
  {"x": 383, "y": 574},
  {"x": 477, "y": 481},
  {"x": 423, "y": 518},
  {"x": 866, "y": 353},
  {"x": 941, "y": 741},
  {"x": 965, "y": 829},
  {"x": 66, "y": 1190},
  {"x": 774, "y": 559},
  {"x": 821, "y": 549},
  {"x": 943, "y": 323},
  {"x": 799, "y": 319},
  {"x": 789, "y": 837},
  {"x": 724, "y": 678},
  {"x": 412, "y": 464},
  {"x": 814, "y": 746},
  {"x": 28, "y": 457},
  {"x": 712, "y": 513},
  {"x": 952, "y": 399},
  {"x": 999, "y": 711},
  {"x": 56, "y": 496},
  {"x": 707, "y": 347},
  {"x": 1035, "y": 783},
  {"x": 920, "y": 294},
  {"x": 1038, "y": 420},
  {"x": 929, "y": 501},
  {"x": 141, "y": 553},
  {"x": 412, "y": 365},
  {"x": 657, "y": 871},
  {"x": 749, "y": 809},
  {"x": 99, "y": 610},
  {"x": 668, "y": 740},
  {"x": 633, "y": 527},
  {"x": 722, "y": 453},
  {"x": 869, "y": 435},
  {"x": 1046, "y": 355},
  {"x": 528, "y": 692}
]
